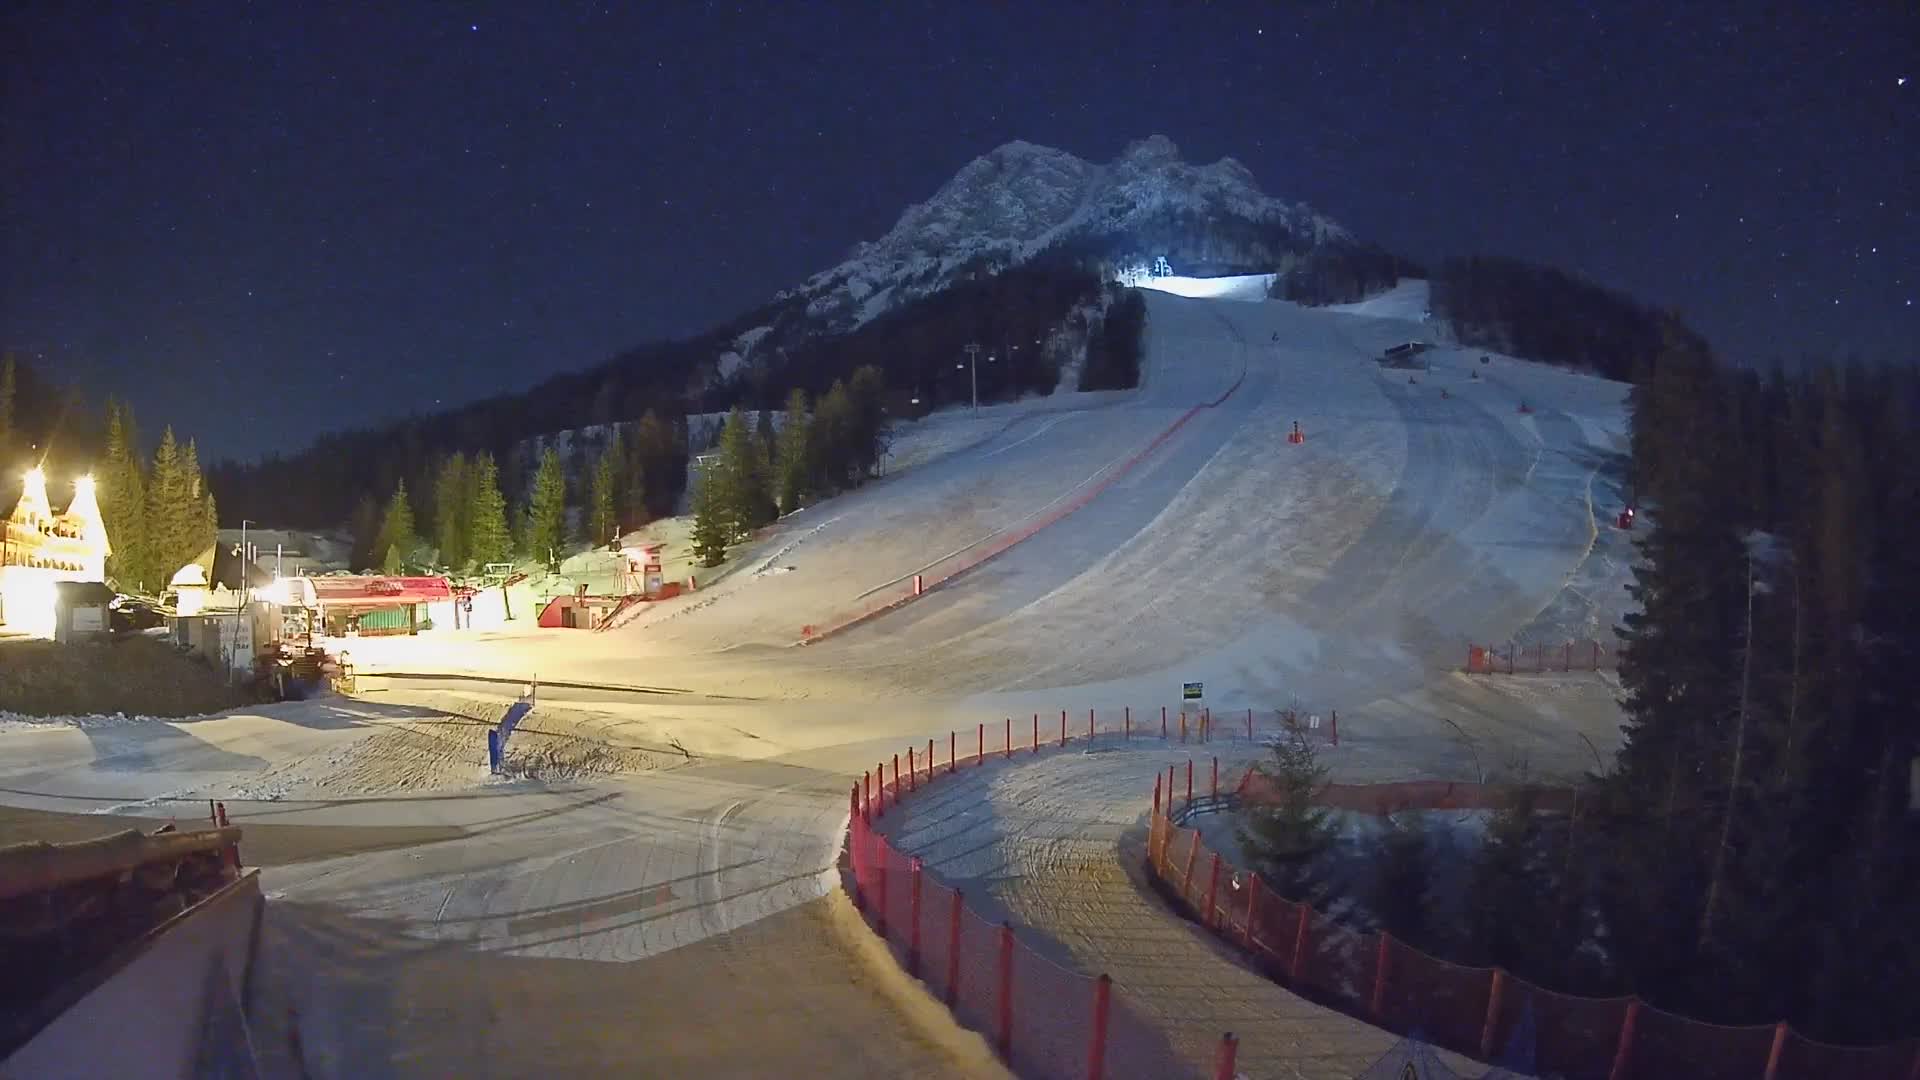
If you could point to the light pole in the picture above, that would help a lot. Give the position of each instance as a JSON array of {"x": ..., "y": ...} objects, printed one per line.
[{"x": 973, "y": 371}]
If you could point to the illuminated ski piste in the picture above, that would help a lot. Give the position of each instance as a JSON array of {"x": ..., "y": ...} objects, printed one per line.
[{"x": 1347, "y": 572}]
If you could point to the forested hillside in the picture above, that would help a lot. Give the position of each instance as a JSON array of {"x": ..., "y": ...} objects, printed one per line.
[
  {"x": 1544, "y": 314},
  {"x": 1030, "y": 321}
]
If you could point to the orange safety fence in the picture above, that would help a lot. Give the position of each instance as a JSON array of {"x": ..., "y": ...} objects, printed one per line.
[
  {"x": 911, "y": 587},
  {"x": 1044, "y": 1020},
  {"x": 1486, "y": 1013},
  {"x": 1517, "y": 658}
]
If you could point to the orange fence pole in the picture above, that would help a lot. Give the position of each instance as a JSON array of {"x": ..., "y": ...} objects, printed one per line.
[
  {"x": 1006, "y": 991},
  {"x": 1097, "y": 1041},
  {"x": 1623, "y": 1053},
  {"x": 953, "y": 753},
  {"x": 913, "y": 774},
  {"x": 1778, "y": 1048},
  {"x": 1156, "y": 792},
  {"x": 1253, "y": 909},
  {"x": 1089, "y": 725},
  {"x": 1190, "y": 784},
  {"x": 1126, "y": 722},
  {"x": 866, "y": 801},
  {"x": 1494, "y": 994},
  {"x": 1009, "y": 736},
  {"x": 1300, "y": 945},
  {"x": 880, "y": 889},
  {"x": 1063, "y": 727},
  {"x": 930, "y": 759},
  {"x": 1379, "y": 1001},
  {"x": 880, "y": 781},
  {"x": 1215, "y": 791},
  {"x": 1223, "y": 1059},
  {"x": 980, "y": 747},
  {"x": 953, "y": 949},
  {"x": 1193, "y": 856},
  {"x": 913, "y": 935},
  {"x": 1036, "y": 733},
  {"x": 896, "y": 779},
  {"x": 1213, "y": 893}
]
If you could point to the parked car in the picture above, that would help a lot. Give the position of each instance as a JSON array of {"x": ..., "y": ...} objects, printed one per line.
[{"x": 131, "y": 614}]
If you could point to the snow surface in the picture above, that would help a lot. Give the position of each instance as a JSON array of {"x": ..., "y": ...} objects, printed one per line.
[
  {"x": 1407, "y": 300},
  {"x": 711, "y": 757},
  {"x": 1250, "y": 287}
]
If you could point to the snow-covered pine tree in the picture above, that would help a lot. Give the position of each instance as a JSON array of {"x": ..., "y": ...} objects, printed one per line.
[{"x": 489, "y": 540}]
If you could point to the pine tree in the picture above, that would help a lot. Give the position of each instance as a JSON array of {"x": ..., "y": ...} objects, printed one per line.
[
  {"x": 1284, "y": 834},
  {"x": 200, "y": 526},
  {"x": 122, "y": 491},
  {"x": 169, "y": 530},
  {"x": 453, "y": 512},
  {"x": 712, "y": 526},
  {"x": 1404, "y": 878},
  {"x": 489, "y": 540},
  {"x": 603, "y": 522},
  {"x": 396, "y": 540},
  {"x": 364, "y": 527},
  {"x": 546, "y": 519},
  {"x": 790, "y": 456},
  {"x": 658, "y": 456},
  {"x": 829, "y": 441},
  {"x": 1507, "y": 889},
  {"x": 764, "y": 435},
  {"x": 746, "y": 502},
  {"x": 866, "y": 393}
]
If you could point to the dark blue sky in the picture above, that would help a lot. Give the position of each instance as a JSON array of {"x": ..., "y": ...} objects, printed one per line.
[{"x": 259, "y": 222}]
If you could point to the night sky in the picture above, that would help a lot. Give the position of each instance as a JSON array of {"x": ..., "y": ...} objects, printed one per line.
[{"x": 262, "y": 222}]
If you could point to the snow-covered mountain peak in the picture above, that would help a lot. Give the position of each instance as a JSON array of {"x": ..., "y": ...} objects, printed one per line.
[{"x": 1022, "y": 199}]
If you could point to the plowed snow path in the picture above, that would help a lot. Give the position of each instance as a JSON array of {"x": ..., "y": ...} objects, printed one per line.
[{"x": 1057, "y": 841}]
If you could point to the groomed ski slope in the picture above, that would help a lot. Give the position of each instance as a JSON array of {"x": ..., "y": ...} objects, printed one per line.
[{"x": 1349, "y": 572}]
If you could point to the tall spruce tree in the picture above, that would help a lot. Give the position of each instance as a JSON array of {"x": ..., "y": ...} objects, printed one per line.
[
  {"x": 790, "y": 455},
  {"x": 397, "y": 538},
  {"x": 123, "y": 493},
  {"x": 603, "y": 519},
  {"x": 712, "y": 521},
  {"x": 490, "y": 540},
  {"x": 546, "y": 519},
  {"x": 830, "y": 439},
  {"x": 453, "y": 512},
  {"x": 658, "y": 454},
  {"x": 746, "y": 501},
  {"x": 200, "y": 517},
  {"x": 169, "y": 524}
]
